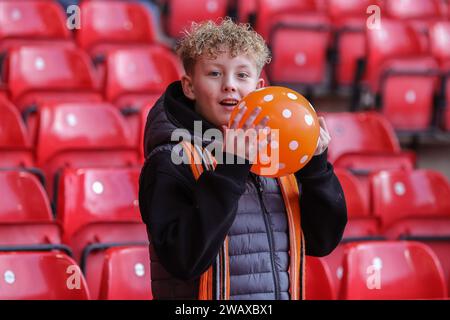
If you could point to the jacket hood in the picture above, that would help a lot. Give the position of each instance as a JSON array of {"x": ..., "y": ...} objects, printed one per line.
[{"x": 172, "y": 111}]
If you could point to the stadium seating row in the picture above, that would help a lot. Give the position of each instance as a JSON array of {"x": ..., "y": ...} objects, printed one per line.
[
  {"x": 372, "y": 270},
  {"x": 97, "y": 209},
  {"x": 405, "y": 71}
]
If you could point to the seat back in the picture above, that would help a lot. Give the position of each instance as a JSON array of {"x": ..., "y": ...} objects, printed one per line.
[
  {"x": 82, "y": 135},
  {"x": 126, "y": 274},
  {"x": 27, "y": 21},
  {"x": 391, "y": 270},
  {"x": 440, "y": 41},
  {"x": 393, "y": 39},
  {"x": 38, "y": 72},
  {"x": 413, "y": 9},
  {"x": 41, "y": 276},
  {"x": 365, "y": 132},
  {"x": 15, "y": 149},
  {"x": 116, "y": 22},
  {"x": 178, "y": 16},
  {"x": 319, "y": 285},
  {"x": 92, "y": 196},
  {"x": 267, "y": 11},
  {"x": 402, "y": 194},
  {"x": 139, "y": 72}
]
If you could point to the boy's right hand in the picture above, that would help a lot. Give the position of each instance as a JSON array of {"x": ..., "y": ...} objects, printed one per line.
[{"x": 246, "y": 141}]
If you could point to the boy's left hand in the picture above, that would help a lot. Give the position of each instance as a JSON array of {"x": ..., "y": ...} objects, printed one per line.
[{"x": 324, "y": 137}]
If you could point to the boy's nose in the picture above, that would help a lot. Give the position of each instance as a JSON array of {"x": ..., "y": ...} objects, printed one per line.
[{"x": 229, "y": 85}]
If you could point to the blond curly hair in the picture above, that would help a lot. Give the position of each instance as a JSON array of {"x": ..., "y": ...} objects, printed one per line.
[{"x": 210, "y": 38}]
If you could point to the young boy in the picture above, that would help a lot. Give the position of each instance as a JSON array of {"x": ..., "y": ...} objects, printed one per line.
[{"x": 187, "y": 219}]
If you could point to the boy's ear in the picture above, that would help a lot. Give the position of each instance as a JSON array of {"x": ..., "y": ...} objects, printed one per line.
[
  {"x": 188, "y": 88},
  {"x": 260, "y": 83}
]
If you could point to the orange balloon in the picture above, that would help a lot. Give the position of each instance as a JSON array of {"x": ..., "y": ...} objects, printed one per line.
[{"x": 294, "y": 130}]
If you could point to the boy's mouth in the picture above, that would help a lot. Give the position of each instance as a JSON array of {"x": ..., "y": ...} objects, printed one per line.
[{"x": 229, "y": 103}]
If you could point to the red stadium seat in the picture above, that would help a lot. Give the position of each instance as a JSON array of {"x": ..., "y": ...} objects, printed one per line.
[
  {"x": 246, "y": 10},
  {"x": 391, "y": 270},
  {"x": 401, "y": 75},
  {"x": 15, "y": 148},
  {"x": 415, "y": 205},
  {"x": 136, "y": 77},
  {"x": 178, "y": 16},
  {"x": 32, "y": 22},
  {"x": 81, "y": 135},
  {"x": 349, "y": 20},
  {"x": 319, "y": 285},
  {"x": 36, "y": 74},
  {"x": 403, "y": 194},
  {"x": 106, "y": 25},
  {"x": 299, "y": 36},
  {"x": 361, "y": 225},
  {"x": 126, "y": 274},
  {"x": 41, "y": 276},
  {"x": 141, "y": 133},
  {"x": 359, "y": 135},
  {"x": 440, "y": 43},
  {"x": 98, "y": 208},
  {"x": 25, "y": 215},
  {"x": 420, "y": 14}
]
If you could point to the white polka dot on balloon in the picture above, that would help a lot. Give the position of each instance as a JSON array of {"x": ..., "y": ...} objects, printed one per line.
[
  {"x": 268, "y": 98},
  {"x": 274, "y": 144},
  {"x": 292, "y": 96},
  {"x": 303, "y": 159},
  {"x": 309, "y": 120},
  {"x": 287, "y": 113},
  {"x": 293, "y": 145}
]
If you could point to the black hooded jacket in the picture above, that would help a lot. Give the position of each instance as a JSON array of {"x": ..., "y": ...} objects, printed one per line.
[{"x": 188, "y": 220}]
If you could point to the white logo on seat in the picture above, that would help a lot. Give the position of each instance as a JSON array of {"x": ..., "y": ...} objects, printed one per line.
[
  {"x": 399, "y": 189},
  {"x": 97, "y": 187},
  {"x": 9, "y": 277},
  {"x": 139, "y": 269}
]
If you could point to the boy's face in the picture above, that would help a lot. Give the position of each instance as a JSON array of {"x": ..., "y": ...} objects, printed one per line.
[{"x": 217, "y": 85}]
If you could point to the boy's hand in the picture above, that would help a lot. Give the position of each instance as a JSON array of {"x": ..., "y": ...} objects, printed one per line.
[
  {"x": 238, "y": 141},
  {"x": 324, "y": 137}
]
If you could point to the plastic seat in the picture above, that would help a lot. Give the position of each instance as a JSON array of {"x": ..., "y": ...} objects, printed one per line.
[
  {"x": 107, "y": 25},
  {"x": 97, "y": 209},
  {"x": 402, "y": 75},
  {"x": 136, "y": 77},
  {"x": 41, "y": 276},
  {"x": 391, "y": 270},
  {"x": 361, "y": 224},
  {"x": 47, "y": 73},
  {"x": 415, "y": 205},
  {"x": 26, "y": 220},
  {"x": 360, "y": 134},
  {"x": 420, "y": 14},
  {"x": 319, "y": 285},
  {"x": 177, "y": 16},
  {"x": 349, "y": 20},
  {"x": 15, "y": 148},
  {"x": 81, "y": 135},
  {"x": 126, "y": 274},
  {"x": 402, "y": 194},
  {"x": 299, "y": 36},
  {"x": 440, "y": 43},
  {"x": 246, "y": 10},
  {"x": 32, "y": 22}
]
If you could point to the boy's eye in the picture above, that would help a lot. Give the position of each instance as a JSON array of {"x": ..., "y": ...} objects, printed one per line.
[
  {"x": 243, "y": 75},
  {"x": 214, "y": 73}
]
